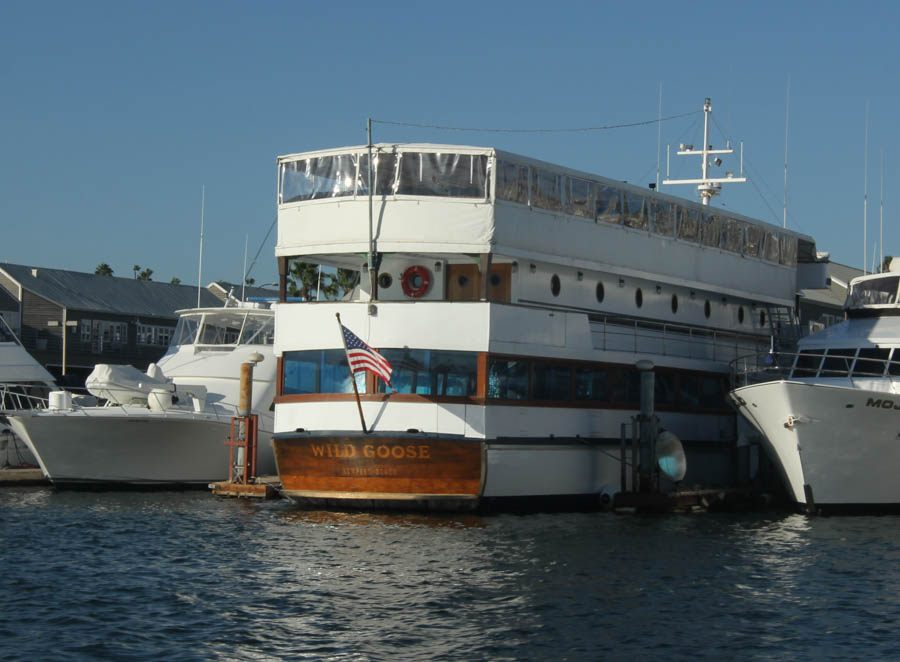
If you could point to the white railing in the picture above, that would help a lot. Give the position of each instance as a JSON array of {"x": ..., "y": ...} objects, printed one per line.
[
  {"x": 640, "y": 337},
  {"x": 772, "y": 365}
]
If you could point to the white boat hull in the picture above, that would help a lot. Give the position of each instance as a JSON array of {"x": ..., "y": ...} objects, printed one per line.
[
  {"x": 133, "y": 445},
  {"x": 835, "y": 446}
]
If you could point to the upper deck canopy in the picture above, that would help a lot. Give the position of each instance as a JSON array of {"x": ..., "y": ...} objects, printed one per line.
[{"x": 448, "y": 199}]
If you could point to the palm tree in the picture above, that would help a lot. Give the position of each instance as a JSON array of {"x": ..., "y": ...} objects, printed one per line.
[
  {"x": 303, "y": 278},
  {"x": 340, "y": 283}
]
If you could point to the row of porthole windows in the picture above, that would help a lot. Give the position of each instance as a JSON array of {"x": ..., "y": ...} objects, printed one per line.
[{"x": 555, "y": 288}]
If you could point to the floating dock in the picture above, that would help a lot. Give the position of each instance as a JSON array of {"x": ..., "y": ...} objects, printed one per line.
[
  {"x": 22, "y": 476},
  {"x": 265, "y": 487}
]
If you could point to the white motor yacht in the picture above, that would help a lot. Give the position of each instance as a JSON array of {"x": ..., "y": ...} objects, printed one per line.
[
  {"x": 827, "y": 411},
  {"x": 21, "y": 379},
  {"x": 168, "y": 425},
  {"x": 518, "y": 303}
]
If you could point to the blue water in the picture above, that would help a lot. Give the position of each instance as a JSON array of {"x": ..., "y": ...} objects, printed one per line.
[{"x": 188, "y": 576}]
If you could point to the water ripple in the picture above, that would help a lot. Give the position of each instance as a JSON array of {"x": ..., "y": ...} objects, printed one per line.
[{"x": 185, "y": 576}]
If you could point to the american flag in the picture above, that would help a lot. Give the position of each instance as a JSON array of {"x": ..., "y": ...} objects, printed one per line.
[{"x": 362, "y": 357}]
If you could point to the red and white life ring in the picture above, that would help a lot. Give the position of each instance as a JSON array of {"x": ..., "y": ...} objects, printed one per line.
[{"x": 415, "y": 281}]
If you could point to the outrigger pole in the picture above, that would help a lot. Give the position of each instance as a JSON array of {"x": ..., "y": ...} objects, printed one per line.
[{"x": 352, "y": 376}]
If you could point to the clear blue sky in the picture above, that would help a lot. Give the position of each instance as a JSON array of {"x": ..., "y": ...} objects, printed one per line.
[{"x": 115, "y": 114}]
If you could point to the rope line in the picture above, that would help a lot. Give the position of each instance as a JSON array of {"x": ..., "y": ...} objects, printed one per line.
[{"x": 570, "y": 130}]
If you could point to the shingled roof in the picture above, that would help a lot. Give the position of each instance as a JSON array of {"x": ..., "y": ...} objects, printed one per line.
[{"x": 82, "y": 291}]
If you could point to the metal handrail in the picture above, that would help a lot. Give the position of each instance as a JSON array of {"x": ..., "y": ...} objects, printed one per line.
[
  {"x": 714, "y": 345},
  {"x": 774, "y": 365}
]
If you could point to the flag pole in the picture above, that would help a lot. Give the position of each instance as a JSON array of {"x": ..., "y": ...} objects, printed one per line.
[{"x": 352, "y": 376}]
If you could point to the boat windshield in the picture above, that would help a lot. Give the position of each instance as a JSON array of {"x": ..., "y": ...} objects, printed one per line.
[
  {"x": 258, "y": 330},
  {"x": 876, "y": 291},
  {"x": 226, "y": 328},
  {"x": 185, "y": 330}
]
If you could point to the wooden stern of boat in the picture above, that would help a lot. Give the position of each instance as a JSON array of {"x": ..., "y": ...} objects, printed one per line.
[{"x": 390, "y": 470}]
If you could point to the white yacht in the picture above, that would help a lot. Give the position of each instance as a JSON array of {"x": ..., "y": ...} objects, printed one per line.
[
  {"x": 21, "y": 379},
  {"x": 169, "y": 425},
  {"x": 514, "y": 300},
  {"x": 827, "y": 411}
]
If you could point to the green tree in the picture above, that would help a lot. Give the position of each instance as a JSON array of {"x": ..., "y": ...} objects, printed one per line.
[
  {"x": 886, "y": 265},
  {"x": 249, "y": 281},
  {"x": 340, "y": 283},
  {"x": 103, "y": 269},
  {"x": 175, "y": 281},
  {"x": 135, "y": 269},
  {"x": 303, "y": 277},
  {"x": 145, "y": 274}
]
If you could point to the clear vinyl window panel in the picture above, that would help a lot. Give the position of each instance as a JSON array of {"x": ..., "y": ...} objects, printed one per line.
[
  {"x": 186, "y": 330},
  {"x": 874, "y": 292},
  {"x": 258, "y": 330},
  {"x": 447, "y": 175},
  {"x": 318, "y": 177},
  {"x": 512, "y": 182}
]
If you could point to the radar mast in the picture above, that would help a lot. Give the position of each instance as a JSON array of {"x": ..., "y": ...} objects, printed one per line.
[{"x": 706, "y": 185}]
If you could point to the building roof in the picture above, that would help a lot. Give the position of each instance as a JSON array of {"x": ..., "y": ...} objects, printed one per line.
[
  {"x": 75, "y": 290},
  {"x": 837, "y": 293}
]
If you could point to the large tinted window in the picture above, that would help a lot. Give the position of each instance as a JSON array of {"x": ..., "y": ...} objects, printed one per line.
[
  {"x": 552, "y": 382},
  {"x": 837, "y": 362},
  {"x": 319, "y": 371},
  {"x": 871, "y": 362},
  {"x": 592, "y": 383},
  {"x": 507, "y": 379},
  {"x": 432, "y": 372},
  {"x": 808, "y": 363}
]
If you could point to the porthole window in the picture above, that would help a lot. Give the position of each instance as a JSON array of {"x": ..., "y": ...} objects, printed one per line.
[
  {"x": 384, "y": 281},
  {"x": 600, "y": 293},
  {"x": 495, "y": 280},
  {"x": 674, "y": 303},
  {"x": 762, "y": 318},
  {"x": 741, "y": 315},
  {"x": 707, "y": 309},
  {"x": 638, "y": 298},
  {"x": 462, "y": 280},
  {"x": 554, "y": 285}
]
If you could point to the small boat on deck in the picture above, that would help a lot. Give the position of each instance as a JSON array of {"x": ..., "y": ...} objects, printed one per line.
[
  {"x": 830, "y": 412},
  {"x": 167, "y": 426}
]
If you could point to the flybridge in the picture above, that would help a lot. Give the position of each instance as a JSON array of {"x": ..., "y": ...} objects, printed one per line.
[
  {"x": 483, "y": 175},
  {"x": 452, "y": 202}
]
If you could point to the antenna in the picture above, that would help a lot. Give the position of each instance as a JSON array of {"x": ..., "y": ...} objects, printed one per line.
[
  {"x": 706, "y": 185},
  {"x": 787, "y": 124},
  {"x": 881, "y": 237},
  {"x": 244, "y": 279},
  {"x": 865, "y": 188},
  {"x": 200, "y": 268},
  {"x": 658, "y": 134}
]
